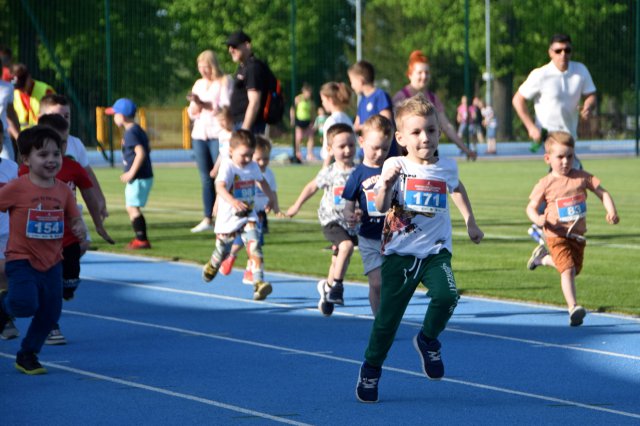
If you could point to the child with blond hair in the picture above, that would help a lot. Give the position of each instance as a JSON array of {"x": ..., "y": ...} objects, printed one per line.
[
  {"x": 416, "y": 242},
  {"x": 564, "y": 220},
  {"x": 332, "y": 179}
]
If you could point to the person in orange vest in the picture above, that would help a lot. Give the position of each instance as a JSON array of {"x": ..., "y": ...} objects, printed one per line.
[{"x": 27, "y": 94}]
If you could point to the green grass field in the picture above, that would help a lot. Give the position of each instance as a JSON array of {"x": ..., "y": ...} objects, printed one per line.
[{"x": 498, "y": 190}]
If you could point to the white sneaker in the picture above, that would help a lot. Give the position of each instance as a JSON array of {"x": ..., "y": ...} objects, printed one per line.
[
  {"x": 55, "y": 337},
  {"x": 10, "y": 331},
  {"x": 202, "y": 226}
]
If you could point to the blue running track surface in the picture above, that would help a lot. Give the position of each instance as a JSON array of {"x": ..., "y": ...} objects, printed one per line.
[{"x": 150, "y": 343}]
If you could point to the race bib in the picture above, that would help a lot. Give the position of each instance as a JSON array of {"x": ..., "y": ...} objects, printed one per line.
[
  {"x": 244, "y": 190},
  {"x": 45, "y": 224},
  {"x": 425, "y": 195},
  {"x": 338, "y": 201},
  {"x": 571, "y": 208},
  {"x": 371, "y": 205}
]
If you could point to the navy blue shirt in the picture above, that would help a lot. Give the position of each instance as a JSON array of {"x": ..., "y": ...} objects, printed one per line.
[
  {"x": 134, "y": 136},
  {"x": 359, "y": 187}
]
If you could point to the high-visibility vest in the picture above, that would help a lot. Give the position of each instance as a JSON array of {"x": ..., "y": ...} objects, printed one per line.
[{"x": 28, "y": 115}]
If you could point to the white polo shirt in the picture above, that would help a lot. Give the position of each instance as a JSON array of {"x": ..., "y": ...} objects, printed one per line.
[{"x": 556, "y": 95}]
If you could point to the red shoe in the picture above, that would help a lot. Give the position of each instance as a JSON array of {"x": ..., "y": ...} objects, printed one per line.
[
  {"x": 137, "y": 244},
  {"x": 227, "y": 264},
  {"x": 247, "y": 278}
]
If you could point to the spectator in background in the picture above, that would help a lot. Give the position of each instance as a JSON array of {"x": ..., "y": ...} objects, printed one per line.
[
  {"x": 8, "y": 119},
  {"x": 302, "y": 115},
  {"x": 27, "y": 95},
  {"x": 6, "y": 58},
  {"x": 419, "y": 73},
  {"x": 491, "y": 125},
  {"x": 251, "y": 82},
  {"x": 208, "y": 95},
  {"x": 477, "y": 106},
  {"x": 556, "y": 89}
]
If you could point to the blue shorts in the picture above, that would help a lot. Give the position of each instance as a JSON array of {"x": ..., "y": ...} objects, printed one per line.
[{"x": 136, "y": 193}]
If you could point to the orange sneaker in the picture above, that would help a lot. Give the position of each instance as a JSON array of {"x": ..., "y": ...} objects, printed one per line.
[
  {"x": 137, "y": 244},
  {"x": 227, "y": 265}
]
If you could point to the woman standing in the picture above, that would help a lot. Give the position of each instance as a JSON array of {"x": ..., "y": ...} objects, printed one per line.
[
  {"x": 419, "y": 74},
  {"x": 209, "y": 94}
]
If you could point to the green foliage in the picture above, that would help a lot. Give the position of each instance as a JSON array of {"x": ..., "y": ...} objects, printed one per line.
[{"x": 155, "y": 43}]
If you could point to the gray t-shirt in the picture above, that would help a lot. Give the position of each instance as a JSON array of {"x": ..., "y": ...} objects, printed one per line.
[{"x": 332, "y": 180}]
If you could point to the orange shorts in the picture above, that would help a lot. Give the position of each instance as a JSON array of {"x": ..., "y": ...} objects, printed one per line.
[{"x": 566, "y": 253}]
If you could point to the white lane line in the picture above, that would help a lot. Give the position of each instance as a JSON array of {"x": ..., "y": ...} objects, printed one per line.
[
  {"x": 453, "y": 329},
  {"x": 188, "y": 397},
  {"x": 311, "y": 354}
]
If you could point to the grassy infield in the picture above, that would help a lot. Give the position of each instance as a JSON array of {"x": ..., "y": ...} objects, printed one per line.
[{"x": 496, "y": 268}]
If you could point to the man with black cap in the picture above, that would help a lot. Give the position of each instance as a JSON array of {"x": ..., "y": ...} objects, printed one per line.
[{"x": 251, "y": 83}]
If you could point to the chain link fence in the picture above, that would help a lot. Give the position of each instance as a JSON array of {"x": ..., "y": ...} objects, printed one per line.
[{"x": 95, "y": 51}]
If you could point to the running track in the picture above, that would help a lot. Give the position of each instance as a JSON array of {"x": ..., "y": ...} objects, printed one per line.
[{"x": 149, "y": 343}]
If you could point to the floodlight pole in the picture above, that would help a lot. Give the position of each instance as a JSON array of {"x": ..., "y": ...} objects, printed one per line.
[
  {"x": 637, "y": 78},
  {"x": 294, "y": 71},
  {"x": 358, "y": 30},
  {"x": 487, "y": 57},
  {"x": 467, "y": 85},
  {"x": 107, "y": 36}
]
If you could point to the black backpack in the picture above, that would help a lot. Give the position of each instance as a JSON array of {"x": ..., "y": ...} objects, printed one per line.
[{"x": 274, "y": 104}]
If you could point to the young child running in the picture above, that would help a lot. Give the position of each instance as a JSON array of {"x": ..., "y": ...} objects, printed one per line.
[
  {"x": 8, "y": 172},
  {"x": 375, "y": 142},
  {"x": 138, "y": 173},
  {"x": 236, "y": 188},
  {"x": 38, "y": 206},
  {"x": 75, "y": 176},
  {"x": 416, "y": 242},
  {"x": 261, "y": 156},
  {"x": 332, "y": 179},
  {"x": 335, "y": 100},
  {"x": 564, "y": 219}
]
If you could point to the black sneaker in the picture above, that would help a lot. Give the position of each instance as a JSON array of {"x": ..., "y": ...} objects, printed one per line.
[
  {"x": 4, "y": 317},
  {"x": 323, "y": 306},
  {"x": 336, "y": 293},
  {"x": 367, "y": 387},
  {"x": 429, "y": 352},
  {"x": 27, "y": 362}
]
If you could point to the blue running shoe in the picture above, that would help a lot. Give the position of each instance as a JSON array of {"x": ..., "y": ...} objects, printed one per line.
[
  {"x": 367, "y": 387},
  {"x": 429, "y": 353}
]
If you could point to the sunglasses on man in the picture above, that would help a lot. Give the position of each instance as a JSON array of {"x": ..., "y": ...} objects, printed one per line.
[{"x": 566, "y": 50}]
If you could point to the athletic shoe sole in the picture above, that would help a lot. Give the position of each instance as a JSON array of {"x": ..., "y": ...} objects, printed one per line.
[{"x": 325, "y": 308}]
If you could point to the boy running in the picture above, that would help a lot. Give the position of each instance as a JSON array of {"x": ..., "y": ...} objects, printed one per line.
[
  {"x": 341, "y": 144},
  {"x": 375, "y": 142},
  {"x": 416, "y": 241},
  {"x": 564, "y": 220},
  {"x": 38, "y": 206},
  {"x": 236, "y": 184}
]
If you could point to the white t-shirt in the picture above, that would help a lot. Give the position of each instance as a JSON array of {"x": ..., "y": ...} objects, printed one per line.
[
  {"x": 76, "y": 150},
  {"x": 261, "y": 199},
  {"x": 332, "y": 181},
  {"x": 8, "y": 172},
  {"x": 334, "y": 118},
  {"x": 556, "y": 95},
  {"x": 418, "y": 223},
  {"x": 241, "y": 183},
  {"x": 224, "y": 137},
  {"x": 205, "y": 123},
  {"x": 6, "y": 99}
]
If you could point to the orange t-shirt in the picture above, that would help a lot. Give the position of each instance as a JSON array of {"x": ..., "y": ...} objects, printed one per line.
[
  {"x": 36, "y": 224},
  {"x": 566, "y": 198}
]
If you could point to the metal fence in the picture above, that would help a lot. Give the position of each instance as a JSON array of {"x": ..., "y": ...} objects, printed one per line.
[{"x": 95, "y": 51}]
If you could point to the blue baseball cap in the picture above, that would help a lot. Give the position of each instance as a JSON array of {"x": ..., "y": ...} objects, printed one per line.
[{"x": 122, "y": 106}]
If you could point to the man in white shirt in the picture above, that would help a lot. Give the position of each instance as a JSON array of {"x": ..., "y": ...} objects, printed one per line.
[{"x": 556, "y": 90}]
